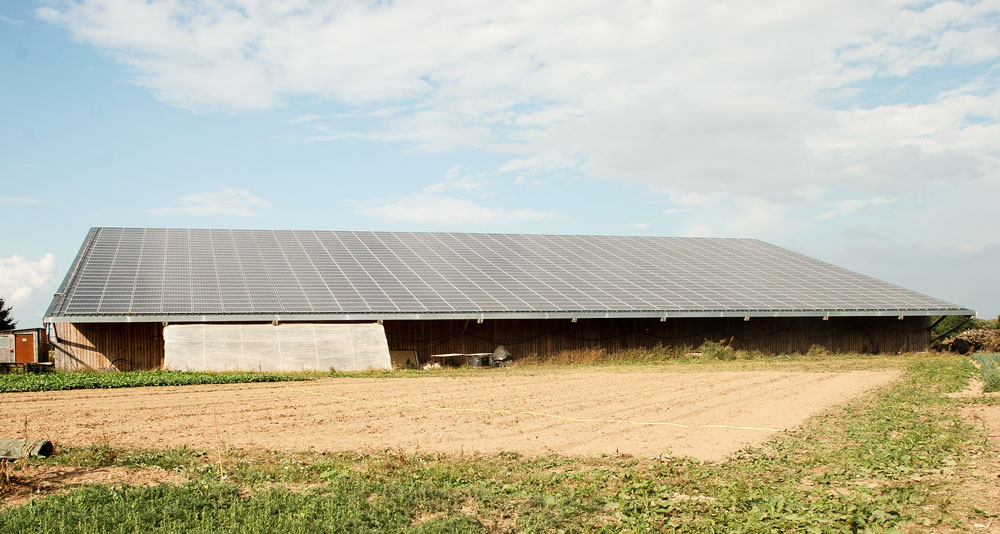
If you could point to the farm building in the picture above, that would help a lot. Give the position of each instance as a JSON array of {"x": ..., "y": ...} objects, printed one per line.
[
  {"x": 23, "y": 346},
  {"x": 140, "y": 298}
]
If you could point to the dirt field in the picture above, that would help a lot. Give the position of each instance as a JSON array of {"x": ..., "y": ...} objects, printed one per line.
[{"x": 581, "y": 412}]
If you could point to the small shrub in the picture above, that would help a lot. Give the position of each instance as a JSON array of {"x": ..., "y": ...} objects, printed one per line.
[
  {"x": 992, "y": 383},
  {"x": 818, "y": 351},
  {"x": 988, "y": 364},
  {"x": 717, "y": 350},
  {"x": 976, "y": 340}
]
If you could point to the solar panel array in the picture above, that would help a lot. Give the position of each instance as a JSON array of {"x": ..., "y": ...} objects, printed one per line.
[{"x": 176, "y": 272}]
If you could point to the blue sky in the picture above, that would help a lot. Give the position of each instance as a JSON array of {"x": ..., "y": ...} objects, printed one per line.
[{"x": 865, "y": 134}]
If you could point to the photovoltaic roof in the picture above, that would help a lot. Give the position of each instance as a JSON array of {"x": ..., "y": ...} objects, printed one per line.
[{"x": 154, "y": 274}]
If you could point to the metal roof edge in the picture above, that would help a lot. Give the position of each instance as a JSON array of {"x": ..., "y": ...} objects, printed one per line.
[
  {"x": 549, "y": 234},
  {"x": 432, "y": 316},
  {"x": 60, "y": 294}
]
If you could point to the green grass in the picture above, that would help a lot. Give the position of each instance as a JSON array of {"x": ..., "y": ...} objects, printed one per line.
[
  {"x": 881, "y": 463},
  {"x": 15, "y": 382},
  {"x": 991, "y": 374}
]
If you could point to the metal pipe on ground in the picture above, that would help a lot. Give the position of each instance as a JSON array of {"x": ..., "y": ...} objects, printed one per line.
[{"x": 12, "y": 449}]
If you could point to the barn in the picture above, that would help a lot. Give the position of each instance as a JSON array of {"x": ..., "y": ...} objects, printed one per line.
[{"x": 148, "y": 298}]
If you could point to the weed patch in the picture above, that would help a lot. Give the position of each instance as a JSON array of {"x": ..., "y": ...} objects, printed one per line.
[
  {"x": 718, "y": 350},
  {"x": 601, "y": 356}
]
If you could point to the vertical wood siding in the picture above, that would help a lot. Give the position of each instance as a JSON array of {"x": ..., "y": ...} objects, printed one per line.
[
  {"x": 128, "y": 346},
  {"x": 112, "y": 346},
  {"x": 771, "y": 335}
]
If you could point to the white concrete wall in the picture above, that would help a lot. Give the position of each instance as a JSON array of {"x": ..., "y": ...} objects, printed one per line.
[{"x": 286, "y": 347}]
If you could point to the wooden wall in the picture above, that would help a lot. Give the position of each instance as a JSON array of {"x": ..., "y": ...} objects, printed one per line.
[
  {"x": 108, "y": 346},
  {"x": 129, "y": 346},
  {"x": 771, "y": 335}
]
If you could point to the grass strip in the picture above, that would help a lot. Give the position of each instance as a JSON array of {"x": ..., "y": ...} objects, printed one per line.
[
  {"x": 686, "y": 364},
  {"x": 59, "y": 380},
  {"x": 991, "y": 374},
  {"x": 879, "y": 464}
]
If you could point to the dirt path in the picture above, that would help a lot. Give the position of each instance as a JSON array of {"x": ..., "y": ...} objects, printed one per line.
[{"x": 357, "y": 414}]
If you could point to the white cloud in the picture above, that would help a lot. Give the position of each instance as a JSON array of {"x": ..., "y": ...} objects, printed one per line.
[
  {"x": 523, "y": 180},
  {"x": 19, "y": 278},
  {"x": 225, "y": 201},
  {"x": 859, "y": 232},
  {"x": 755, "y": 217},
  {"x": 726, "y": 215},
  {"x": 304, "y": 119},
  {"x": 841, "y": 208},
  {"x": 539, "y": 163},
  {"x": 941, "y": 33},
  {"x": 441, "y": 211},
  {"x": 18, "y": 200},
  {"x": 749, "y": 109},
  {"x": 455, "y": 179},
  {"x": 11, "y": 21}
]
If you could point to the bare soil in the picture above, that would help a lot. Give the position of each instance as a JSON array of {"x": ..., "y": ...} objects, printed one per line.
[
  {"x": 977, "y": 486},
  {"x": 973, "y": 391},
  {"x": 718, "y": 412},
  {"x": 980, "y": 482}
]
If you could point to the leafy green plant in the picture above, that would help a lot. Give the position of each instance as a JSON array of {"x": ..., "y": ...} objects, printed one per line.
[{"x": 15, "y": 382}]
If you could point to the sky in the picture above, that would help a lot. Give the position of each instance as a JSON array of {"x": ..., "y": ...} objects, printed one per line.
[{"x": 862, "y": 133}]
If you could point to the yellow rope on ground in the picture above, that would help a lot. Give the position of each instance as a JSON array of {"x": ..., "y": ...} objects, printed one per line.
[{"x": 537, "y": 414}]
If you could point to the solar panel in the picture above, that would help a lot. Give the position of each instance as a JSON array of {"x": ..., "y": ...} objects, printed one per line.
[{"x": 149, "y": 272}]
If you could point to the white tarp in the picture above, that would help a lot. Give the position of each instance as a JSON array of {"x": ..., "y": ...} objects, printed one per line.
[{"x": 285, "y": 347}]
